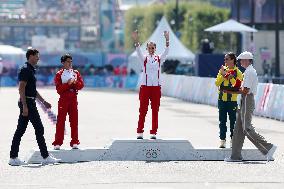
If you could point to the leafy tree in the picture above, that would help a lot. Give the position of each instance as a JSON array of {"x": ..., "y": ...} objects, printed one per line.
[{"x": 193, "y": 18}]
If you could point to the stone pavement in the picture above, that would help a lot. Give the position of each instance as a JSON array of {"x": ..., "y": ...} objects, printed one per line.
[{"x": 105, "y": 115}]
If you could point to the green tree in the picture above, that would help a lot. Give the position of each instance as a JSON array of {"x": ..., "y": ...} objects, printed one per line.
[
  {"x": 200, "y": 18},
  {"x": 193, "y": 18}
]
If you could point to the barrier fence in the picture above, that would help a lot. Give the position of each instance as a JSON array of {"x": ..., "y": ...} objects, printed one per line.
[
  {"x": 111, "y": 81},
  {"x": 269, "y": 99}
]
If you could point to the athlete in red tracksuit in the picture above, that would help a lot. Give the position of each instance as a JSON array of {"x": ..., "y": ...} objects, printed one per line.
[
  {"x": 67, "y": 82},
  {"x": 150, "y": 88}
]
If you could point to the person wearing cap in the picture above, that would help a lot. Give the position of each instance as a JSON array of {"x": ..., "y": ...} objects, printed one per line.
[
  {"x": 243, "y": 125},
  {"x": 228, "y": 77},
  {"x": 28, "y": 111},
  {"x": 68, "y": 82},
  {"x": 150, "y": 88}
]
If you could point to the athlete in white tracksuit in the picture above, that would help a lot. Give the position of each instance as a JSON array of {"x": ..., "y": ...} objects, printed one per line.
[{"x": 151, "y": 87}]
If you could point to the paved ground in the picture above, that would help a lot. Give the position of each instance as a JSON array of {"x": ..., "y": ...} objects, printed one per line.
[{"x": 105, "y": 115}]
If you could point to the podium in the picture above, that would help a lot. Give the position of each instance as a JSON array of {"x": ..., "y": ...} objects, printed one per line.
[{"x": 147, "y": 150}]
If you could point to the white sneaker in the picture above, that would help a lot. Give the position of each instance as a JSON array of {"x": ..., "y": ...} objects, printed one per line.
[
  {"x": 222, "y": 144},
  {"x": 75, "y": 146},
  {"x": 153, "y": 137},
  {"x": 139, "y": 135},
  {"x": 228, "y": 159},
  {"x": 50, "y": 160},
  {"x": 56, "y": 147},
  {"x": 269, "y": 155},
  {"x": 16, "y": 162}
]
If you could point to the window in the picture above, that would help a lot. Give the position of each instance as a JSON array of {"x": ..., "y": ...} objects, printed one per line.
[
  {"x": 74, "y": 33},
  {"x": 5, "y": 33},
  {"x": 19, "y": 33}
]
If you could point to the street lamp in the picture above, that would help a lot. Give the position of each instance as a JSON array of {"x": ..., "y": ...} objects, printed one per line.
[
  {"x": 277, "y": 56},
  {"x": 176, "y": 16},
  {"x": 190, "y": 21},
  {"x": 135, "y": 21}
]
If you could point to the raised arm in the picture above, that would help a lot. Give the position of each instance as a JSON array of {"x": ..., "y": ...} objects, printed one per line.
[
  {"x": 137, "y": 45},
  {"x": 220, "y": 77},
  {"x": 166, "y": 51}
]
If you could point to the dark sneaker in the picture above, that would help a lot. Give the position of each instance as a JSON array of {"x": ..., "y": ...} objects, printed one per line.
[
  {"x": 75, "y": 147},
  {"x": 139, "y": 135},
  {"x": 153, "y": 137},
  {"x": 222, "y": 144}
]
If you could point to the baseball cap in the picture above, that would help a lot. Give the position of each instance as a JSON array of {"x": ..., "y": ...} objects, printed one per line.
[{"x": 245, "y": 55}]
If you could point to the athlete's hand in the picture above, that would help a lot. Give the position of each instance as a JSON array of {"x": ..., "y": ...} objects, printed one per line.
[
  {"x": 70, "y": 81},
  {"x": 47, "y": 105},
  {"x": 222, "y": 70},
  {"x": 167, "y": 35},
  {"x": 75, "y": 79},
  {"x": 25, "y": 110},
  {"x": 230, "y": 76}
]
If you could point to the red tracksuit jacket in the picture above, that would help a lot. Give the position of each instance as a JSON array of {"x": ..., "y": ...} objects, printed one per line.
[{"x": 63, "y": 87}]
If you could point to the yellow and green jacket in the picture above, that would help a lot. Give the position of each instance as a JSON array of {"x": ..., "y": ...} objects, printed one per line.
[{"x": 221, "y": 81}]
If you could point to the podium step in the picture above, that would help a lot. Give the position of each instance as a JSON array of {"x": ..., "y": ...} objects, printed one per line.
[
  {"x": 147, "y": 150},
  {"x": 70, "y": 156}
]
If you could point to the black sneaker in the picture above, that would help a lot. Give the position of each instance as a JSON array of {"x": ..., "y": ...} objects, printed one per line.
[
  {"x": 153, "y": 137},
  {"x": 140, "y": 136}
]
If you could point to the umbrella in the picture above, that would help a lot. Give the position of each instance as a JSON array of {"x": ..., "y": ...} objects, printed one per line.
[{"x": 230, "y": 26}]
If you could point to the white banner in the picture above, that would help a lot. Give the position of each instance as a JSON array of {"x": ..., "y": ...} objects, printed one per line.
[{"x": 269, "y": 100}]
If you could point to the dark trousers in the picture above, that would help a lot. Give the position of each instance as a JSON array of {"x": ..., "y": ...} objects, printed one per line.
[
  {"x": 230, "y": 108},
  {"x": 23, "y": 121}
]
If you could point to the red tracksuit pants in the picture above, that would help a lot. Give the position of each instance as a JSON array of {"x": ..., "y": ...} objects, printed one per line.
[
  {"x": 67, "y": 104},
  {"x": 152, "y": 93}
]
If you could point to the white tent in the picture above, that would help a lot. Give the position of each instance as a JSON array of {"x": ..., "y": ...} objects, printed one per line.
[
  {"x": 11, "y": 56},
  {"x": 8, "y": 49},
  {"x": 177, "y": 50},
  {"x": 230, "y": 26}
]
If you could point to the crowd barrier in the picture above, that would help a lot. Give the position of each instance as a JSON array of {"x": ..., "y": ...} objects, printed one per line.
[
  {"x": 8, "y": 81},
  {"x": 111, "y": 81},
  {"x": 269, "y": 99},
  {"x": 128, "y": 82}
]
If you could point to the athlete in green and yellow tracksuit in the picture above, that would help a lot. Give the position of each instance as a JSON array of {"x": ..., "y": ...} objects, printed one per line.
[{"x": 227, "y": 103}]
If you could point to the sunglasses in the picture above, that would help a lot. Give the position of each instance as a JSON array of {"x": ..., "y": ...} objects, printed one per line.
[{"x": 151, "y": 47}]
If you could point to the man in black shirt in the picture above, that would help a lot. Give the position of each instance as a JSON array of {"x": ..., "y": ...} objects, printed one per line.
[{"x": 29, "y": 112}]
